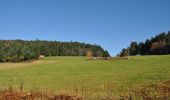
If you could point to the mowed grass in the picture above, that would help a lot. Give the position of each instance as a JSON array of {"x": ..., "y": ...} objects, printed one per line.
[{"x": 60, "y": 73}]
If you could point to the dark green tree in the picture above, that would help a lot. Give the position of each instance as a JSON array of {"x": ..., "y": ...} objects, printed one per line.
[
  {"x": 124, "y": 52},
  {"x": 133, "y": 50}
]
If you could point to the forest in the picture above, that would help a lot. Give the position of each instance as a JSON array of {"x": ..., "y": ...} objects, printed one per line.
[
  {"x": 158, "y": 45},
  {"x": 24, "y": 50}
]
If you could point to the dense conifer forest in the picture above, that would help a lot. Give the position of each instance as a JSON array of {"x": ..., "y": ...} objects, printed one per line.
[
  {"x": 158, "y": 45},
  {"x": 24, "y": 50}
]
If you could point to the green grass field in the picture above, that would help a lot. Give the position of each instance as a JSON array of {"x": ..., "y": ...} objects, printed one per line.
[{"x": 60, "y": 73}]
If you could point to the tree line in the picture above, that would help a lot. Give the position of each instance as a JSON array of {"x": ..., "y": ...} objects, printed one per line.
[
  {"x": 158, "y": 45},
  {"x": 24, "y": 50}
]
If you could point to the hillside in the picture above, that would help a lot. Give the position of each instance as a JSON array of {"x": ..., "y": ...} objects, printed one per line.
[{"x": 95, "y": 76}]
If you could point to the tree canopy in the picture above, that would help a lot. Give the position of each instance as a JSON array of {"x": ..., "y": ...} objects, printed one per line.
[
  {"x": 158, "y": 45},
  {"x": 23, "y": 50}
]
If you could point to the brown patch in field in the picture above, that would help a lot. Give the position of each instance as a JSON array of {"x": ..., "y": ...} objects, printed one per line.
[
  {"x": 34, "y": 95},
  {"x": 159, "y": 91}
]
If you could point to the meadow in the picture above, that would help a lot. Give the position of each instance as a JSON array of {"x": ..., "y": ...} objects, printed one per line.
[{"x": 71, "y": 74}]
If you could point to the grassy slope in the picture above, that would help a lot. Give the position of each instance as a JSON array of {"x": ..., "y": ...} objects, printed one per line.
[{"x": 75, "y": 72}]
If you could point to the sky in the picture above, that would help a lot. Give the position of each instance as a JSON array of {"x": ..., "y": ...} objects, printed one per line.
[{"x": 113, "y": 24}]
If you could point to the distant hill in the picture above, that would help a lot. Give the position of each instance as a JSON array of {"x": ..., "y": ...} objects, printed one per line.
[
  {"x": 158, "y": 45},
  {"x": 22, "y": 50}
]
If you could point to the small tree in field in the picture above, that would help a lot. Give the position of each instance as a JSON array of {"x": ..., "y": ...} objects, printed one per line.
[{"x": 89, "y": 54}]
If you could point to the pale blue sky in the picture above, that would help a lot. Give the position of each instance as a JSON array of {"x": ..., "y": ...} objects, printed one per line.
[{"x": 113, "y": 24}]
